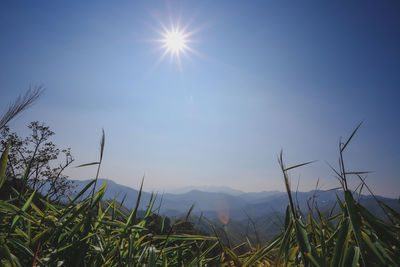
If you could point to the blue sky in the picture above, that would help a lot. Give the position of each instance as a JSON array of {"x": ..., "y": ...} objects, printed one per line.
[{"x": 266, "y": 76}]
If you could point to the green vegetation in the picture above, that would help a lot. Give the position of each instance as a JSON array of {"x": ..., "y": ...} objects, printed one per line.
[
  {"x": 89, "y": 232},
  {"x": 35, "y": 157},
  {"x": 94, "y": 232}
]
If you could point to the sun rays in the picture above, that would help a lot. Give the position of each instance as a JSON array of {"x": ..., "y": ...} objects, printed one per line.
[{"x": 175, "y": 41}]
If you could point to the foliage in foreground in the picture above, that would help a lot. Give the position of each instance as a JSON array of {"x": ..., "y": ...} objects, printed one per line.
[
  {"x": 38, "y": 158},
  {"x": 35, "y": 232}
]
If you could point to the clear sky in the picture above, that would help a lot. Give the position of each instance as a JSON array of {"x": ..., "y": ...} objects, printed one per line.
[{"x": 265, "y": 75}]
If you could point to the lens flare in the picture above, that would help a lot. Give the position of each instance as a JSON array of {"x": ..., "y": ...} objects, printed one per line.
[
  {"x": 222, "y": 210},
  {"x": 175, "y": 41}
]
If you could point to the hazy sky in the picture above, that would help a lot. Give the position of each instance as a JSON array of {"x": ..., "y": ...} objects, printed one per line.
[{"x": 266, "y": 75}]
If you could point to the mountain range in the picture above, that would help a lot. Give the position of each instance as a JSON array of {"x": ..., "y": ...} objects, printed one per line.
[{"x": 213, "y": 202}]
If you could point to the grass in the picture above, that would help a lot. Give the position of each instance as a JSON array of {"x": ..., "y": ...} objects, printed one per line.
[{"x": 95, "y": 232}]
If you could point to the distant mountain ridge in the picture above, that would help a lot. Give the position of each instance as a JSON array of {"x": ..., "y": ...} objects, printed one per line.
[
  {"x": 207, "y": 188},
  {"x": 238, "y": 204}
]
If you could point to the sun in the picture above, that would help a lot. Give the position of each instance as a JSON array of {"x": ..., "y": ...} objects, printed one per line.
[{"x": 175, "y": 41}]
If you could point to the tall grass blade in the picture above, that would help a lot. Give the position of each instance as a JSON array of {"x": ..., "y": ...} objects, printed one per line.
[
  {"x": 88, "y": 164},
  {"x": 23, "y": 209},
  {"x": 356, "y": 257},
  {"x": 20, "y": 104},
  {"x": 351, "y": 136},
  {"x": 132, "y": 217},
  {"x": 3, "y": 164},
  {"x": 298, "y": 165},
  {"x": 189, "y": 212}
]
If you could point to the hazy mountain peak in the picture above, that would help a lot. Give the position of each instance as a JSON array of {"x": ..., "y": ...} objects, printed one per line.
[{"x": 207, "y": 188}]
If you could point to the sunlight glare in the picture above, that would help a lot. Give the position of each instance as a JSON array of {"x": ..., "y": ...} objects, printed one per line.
[{"x": 174, "y": 40}]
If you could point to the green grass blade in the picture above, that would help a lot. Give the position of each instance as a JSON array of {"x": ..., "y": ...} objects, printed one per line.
[
  {"x": 356, "y": 257},
  {"x": 355, "y": 219},
  {"x": 373, "y": 248},
  {"x": 26, "y": 205},
  {"x": 262, "y": 252},
  {"x": 312, "y": 259},
  {"x": 337, "y": 252},
  {"x": 284, "y": 245},
  {"x": 392, "y": 212},
  {"x": 302, "y": 237},
  {"x": 132, "y": 217},
  {"x": 3, "y": 164}
]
